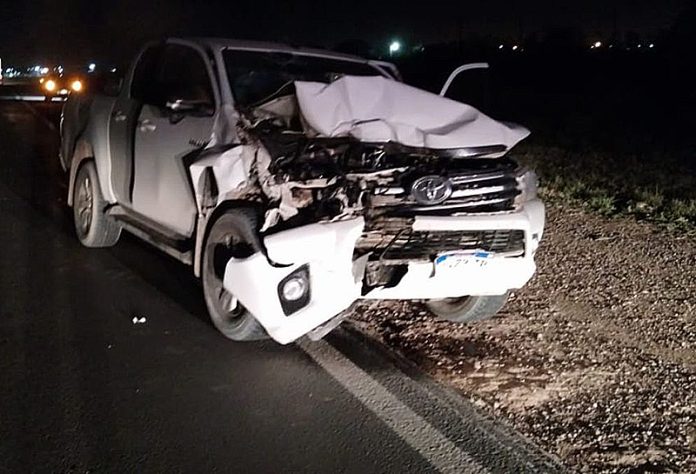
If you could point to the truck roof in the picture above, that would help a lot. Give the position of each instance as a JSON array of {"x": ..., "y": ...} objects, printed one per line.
[{"x": 222, "y": 43}]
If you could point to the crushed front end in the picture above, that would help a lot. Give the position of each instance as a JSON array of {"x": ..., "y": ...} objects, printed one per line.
[{"x": 347, "y": 219}]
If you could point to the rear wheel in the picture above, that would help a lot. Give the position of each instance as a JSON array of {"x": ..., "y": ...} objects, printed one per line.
[
  {"x": 467, "y": 308},
  {"x": 231, "y": 235},
  {"x": 93, "y": 226}
]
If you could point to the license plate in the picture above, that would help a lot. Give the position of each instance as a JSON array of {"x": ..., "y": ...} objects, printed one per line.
[{"x": 461, "y": 260}]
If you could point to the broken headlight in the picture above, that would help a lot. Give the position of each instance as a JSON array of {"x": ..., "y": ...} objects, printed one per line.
[{"x": 528, "y": 184}]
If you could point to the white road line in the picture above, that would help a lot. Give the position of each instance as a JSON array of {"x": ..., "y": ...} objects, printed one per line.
[{"x": 430, "y": 443}]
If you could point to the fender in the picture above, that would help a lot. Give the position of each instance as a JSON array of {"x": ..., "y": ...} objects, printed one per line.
[
  {"x": 206, "y": 192},
  {"x": 205, "y": 221},
  {"x": 83, "y": 151}
]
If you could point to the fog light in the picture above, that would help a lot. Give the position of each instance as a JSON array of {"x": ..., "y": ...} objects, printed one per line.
[{"x": 294, "y": 290}]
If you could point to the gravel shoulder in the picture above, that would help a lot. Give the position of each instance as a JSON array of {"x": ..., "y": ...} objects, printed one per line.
[{"x": 594, "y": 360}]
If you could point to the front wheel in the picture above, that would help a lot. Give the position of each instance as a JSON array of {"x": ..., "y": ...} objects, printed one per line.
[
  {"x": 231, "y": 235},
  {"x": 467, "y": 308}
]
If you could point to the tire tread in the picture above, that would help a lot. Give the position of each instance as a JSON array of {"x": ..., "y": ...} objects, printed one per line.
[
  {"x": 475, "y": 308},
  {"x": 104, "y": 230}
]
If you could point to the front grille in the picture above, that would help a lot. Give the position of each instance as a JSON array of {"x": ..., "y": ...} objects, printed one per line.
[
  {"x": 494, "y": 189},
  {"x": 481, "y": 191},
  {"x": 408, "y": 244}
]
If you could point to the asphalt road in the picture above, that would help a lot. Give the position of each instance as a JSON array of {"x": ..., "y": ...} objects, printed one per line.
[{"x": 84, "y": 389}]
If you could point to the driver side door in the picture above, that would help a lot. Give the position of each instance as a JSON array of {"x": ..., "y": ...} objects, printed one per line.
[{"x": 175, "y": 120}]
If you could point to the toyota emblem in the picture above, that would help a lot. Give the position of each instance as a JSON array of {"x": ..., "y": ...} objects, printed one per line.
[{"x": 430, "y": 190}]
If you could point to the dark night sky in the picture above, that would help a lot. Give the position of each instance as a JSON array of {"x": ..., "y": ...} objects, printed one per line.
[{"x": 65, "y": 30}]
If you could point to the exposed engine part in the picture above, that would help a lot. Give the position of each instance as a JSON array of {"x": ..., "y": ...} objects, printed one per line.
[
  {"x": 380, "y": 274},
  {"x": 312, "y": 179}
]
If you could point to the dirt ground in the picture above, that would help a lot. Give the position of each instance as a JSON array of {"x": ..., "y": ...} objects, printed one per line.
[{"x": 595, "y": 359}]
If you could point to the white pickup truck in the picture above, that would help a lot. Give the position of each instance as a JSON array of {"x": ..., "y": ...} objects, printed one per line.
[{"x": 295, "y": 182}]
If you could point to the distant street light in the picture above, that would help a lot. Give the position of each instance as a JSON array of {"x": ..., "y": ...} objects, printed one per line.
[{"x": 394, "y": 47}]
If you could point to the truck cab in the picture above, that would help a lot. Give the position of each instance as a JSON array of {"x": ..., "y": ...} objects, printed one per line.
[{"x": 295, "y": 182}]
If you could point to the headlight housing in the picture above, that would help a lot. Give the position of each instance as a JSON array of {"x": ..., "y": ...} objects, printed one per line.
[{"x": 528, "y": 183}]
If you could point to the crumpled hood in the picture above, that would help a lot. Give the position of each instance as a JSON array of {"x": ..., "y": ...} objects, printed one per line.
[{"x": 377, "y": 109}]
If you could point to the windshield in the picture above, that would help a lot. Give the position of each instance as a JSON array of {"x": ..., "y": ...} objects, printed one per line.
[{"x": 256, "y": 75}]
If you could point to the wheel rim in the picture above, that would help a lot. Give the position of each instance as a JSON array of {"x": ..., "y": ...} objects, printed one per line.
[
  {"x": 226, "y": 304},
  {"x": 85, "y": 201}
]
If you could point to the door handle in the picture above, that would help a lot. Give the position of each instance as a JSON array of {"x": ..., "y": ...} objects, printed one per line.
[
  {"x": 119, "y": 116},
  {"x": 146, "y": 126}
]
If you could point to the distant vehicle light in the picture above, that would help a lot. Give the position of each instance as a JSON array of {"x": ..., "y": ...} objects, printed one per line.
[
  {"x": 515, "y": 48},
  {"x": 76, "y": 85},
  {"x": 50, "y": 85},
  {"x": 91, "y": 67},
  {"x": 597, "y": 44},
  {"x": 501, "y": 46}
]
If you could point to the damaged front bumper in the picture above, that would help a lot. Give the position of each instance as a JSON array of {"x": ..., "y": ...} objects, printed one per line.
[
  {"x": 326, "y": 254},
  {"x": 335, "y": 281}
]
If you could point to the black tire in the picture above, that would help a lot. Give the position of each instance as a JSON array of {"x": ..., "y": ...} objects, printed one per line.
[
  {"x": 467, "y": 308},
  {"x": 93, "y": 226},
  {"x": 233, "y": 234}
]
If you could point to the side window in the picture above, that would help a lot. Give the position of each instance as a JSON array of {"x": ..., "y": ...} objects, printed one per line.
[
  {"x": 183, "y": 76},
  {"x": 143, "y": 86}
]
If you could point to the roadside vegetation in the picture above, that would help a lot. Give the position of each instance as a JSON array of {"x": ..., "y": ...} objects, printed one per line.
[{"x": 648, "y": 187}]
